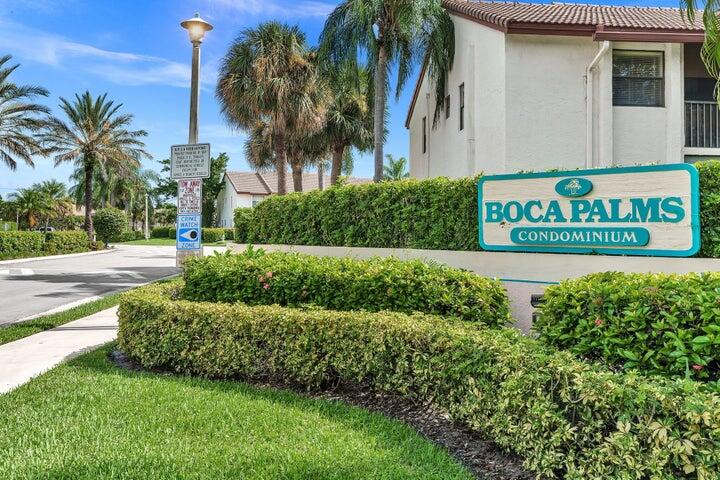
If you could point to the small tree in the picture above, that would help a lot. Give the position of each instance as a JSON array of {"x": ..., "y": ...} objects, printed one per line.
[
  {"x": 395, "y": 169},
  {"x": 109, "y": 222}
]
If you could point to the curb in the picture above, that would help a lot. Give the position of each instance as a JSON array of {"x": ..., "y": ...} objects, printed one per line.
[{"x": 50, "y": 257}]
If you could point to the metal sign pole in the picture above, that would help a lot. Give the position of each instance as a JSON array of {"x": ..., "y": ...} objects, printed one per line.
[{"x": 190, "y": 163}]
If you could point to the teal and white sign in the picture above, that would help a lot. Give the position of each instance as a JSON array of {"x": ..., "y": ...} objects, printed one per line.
[
  {"x": 653, "y": 210},
  {"x": 189, "y": 232}
]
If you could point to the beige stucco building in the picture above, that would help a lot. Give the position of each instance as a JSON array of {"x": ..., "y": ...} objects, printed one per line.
[{"x": 543, "y": 86}]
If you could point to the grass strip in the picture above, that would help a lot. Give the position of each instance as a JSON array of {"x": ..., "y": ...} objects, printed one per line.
[
  {"x": 20, "y": 330},
  {"x": 88, "y": 419}
]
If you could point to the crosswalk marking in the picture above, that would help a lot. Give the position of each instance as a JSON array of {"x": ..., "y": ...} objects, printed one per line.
[{"x": 17, "y": 272}]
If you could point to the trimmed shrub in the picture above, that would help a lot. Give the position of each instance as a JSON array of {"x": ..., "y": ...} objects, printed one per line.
[
  {"x": 15, "y": 244},
  {"x": 128, "y": 236},
  {"x": 212, "y": 235},
  {"x": 566, "y": 418},
  {"x": 658, "y": 323},
  {"x": 159, "y": 232},
  {"x": 97, "y": 245},
  {"x": 61, "y": 242},
  {"x": 242, "y": 221},
  {"x": 172, "y": 232},
  {"x": 109, "y": 223},
  {"x": 709, "y": 208},
  {"x": 438, "y": 213},
  {"x": 229, "y": 233},
  {"x": 256, "y": 277}
]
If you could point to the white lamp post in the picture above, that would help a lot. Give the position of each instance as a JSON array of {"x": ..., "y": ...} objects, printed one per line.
[{"x": 197, "y": 28}]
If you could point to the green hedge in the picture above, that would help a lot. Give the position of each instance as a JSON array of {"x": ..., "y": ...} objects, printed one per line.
[
  {"x": 293, "y": 279},
  {"x": 438, "y": 213},
  {"x": 229, "y": 233},
  {"x": 709, "y": 208},
  {"x": 128, "y": 236},
  {"x": 432, "y": 214},
  {"x": 22, "y": 244},
  {"x": 659, "y": 323},
  {"x": 15, "y": 244},
  {"x": 159, "y": 232},
  {"x": 212, "y": 235},
  {"x": 61, "y": 242},
  {"x": 172, "y": 232},
  {"x": 566, "y": 418},
  {"x": 242, "y": 221}
]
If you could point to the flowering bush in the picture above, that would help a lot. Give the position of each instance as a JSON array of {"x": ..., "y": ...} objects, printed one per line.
[
  {"x": 292, "y": 279},
  {"x": 565, "y": 417},
  {"x": 657, "y": 323}
]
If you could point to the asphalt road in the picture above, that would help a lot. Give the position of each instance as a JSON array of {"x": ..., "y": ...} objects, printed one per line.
[{"x": 31, "y": 288}]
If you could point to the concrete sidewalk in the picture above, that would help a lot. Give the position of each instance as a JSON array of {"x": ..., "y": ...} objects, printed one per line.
[{"x": 24, "y": 359}]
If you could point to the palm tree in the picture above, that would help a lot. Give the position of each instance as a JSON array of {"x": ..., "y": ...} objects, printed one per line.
[
  {"x": 392, "y": 32},
  {"x": 61, "y": 205},
  {"x": 302, "y": 150},
  {"x": 96, "y": 137},
  {"x": 349, "y": 119},
  {"x": 395, "y": 169},
  {"x": 710, "y": 51},
  {"x": 33, "y": 204},
  {"x": 20, "y": 118},
  {"x": 269, "y": 75}
]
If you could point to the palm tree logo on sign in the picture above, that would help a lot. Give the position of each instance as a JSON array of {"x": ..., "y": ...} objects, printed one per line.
[{"x": 573, "y": 186}]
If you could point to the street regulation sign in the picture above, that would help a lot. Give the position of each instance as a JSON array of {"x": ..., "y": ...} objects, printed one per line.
[
  {"x": 190, "y": 161},
  {"x": 188, "y": 232},
  {"x": 189, "y": 196}
]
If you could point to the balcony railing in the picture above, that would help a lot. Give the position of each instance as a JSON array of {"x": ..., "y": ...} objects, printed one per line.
[{"x": 702, "y": 124}]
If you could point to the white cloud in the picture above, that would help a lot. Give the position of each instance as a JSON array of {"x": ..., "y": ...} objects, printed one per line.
[
  {"x": 123, "y": 68},
  {"x": 267, "y": 8}
]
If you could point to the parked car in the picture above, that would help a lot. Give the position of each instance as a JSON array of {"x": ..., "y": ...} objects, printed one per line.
[{"x": 45, "y": 229}]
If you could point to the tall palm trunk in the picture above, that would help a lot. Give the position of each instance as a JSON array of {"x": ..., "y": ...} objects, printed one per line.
[
  {"x": 297, "y": 171},
  {"x": 321, "y": 176},
  {"x": 88, "y": 199},
  {"x": 280, "y": 157},
  {"x": 337, "y": 158},
  {"x": 379, "y": 107}
]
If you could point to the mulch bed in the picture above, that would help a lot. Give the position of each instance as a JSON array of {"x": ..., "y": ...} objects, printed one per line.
[{"x": 484, "y": 459}]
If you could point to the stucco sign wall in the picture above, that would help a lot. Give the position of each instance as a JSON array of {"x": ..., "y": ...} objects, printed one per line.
[{"x": 652, "y": 210}]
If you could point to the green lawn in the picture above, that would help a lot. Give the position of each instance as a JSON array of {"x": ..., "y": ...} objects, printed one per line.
[
  {"x": 88, "y": 420},
  {"x": 162, "y": 241},
  {"x": 31, "y": 327}
]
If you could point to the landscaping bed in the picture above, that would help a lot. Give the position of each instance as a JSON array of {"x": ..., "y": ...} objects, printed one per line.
[{"x": 566, "y": 418}]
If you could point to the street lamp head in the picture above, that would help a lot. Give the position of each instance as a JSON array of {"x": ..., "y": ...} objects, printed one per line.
[{"x": 196, "y": 27}]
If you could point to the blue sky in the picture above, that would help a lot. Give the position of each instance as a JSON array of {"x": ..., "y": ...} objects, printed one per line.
[{"x": 136, "y": 51}]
